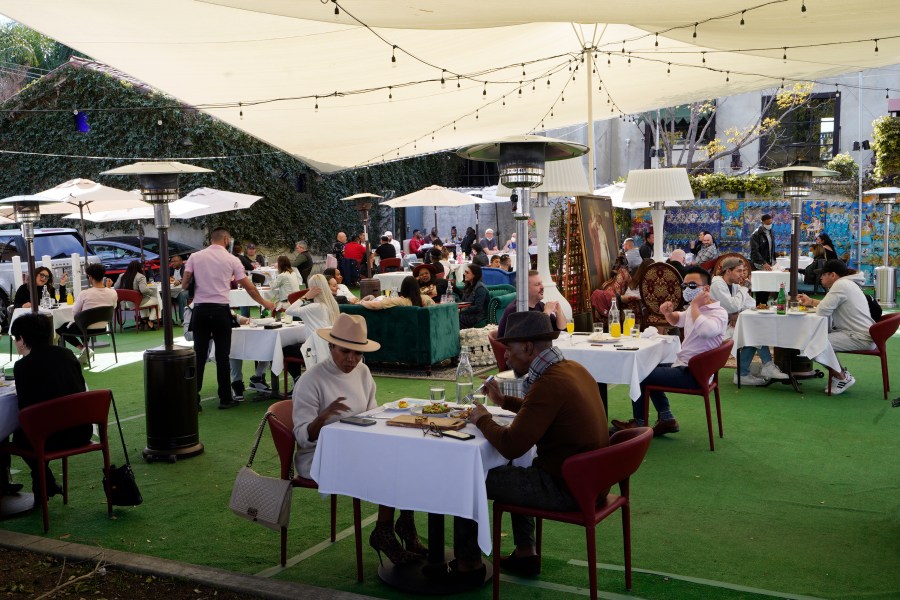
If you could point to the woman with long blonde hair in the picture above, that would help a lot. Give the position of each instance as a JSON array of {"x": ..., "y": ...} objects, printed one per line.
[{"x": 318, "y": 310}]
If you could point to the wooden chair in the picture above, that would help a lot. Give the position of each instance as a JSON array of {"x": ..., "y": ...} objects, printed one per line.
[
  {"x": 661, "y": 283},
  {"x": 705, "y": 369},
  {"x": 881, "y": 333},
  {"x": 281, "y": 425},
  {"x": 95, "y": 315},
  {"x": 131, "y": 300},
  {"x": 587, "y": 476},
  {"x": 41, "y": 421},
  {"x": 388, "y": 265},
  {"x": 717, "y": 266}
]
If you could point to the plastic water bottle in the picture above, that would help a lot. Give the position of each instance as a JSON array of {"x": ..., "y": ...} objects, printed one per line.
[
  {"x": 45, "y": 298},
  {"x": 464, "y": 379}
]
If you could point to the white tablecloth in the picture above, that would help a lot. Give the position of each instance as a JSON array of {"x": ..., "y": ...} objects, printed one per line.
[
  {"x": 805, "y": 332},
  {"x": 61, "y": 314},
  {"x": 240, "y": 297},
  {"x": 257, "y": 343},
  {"x": 628, "y": 367},
  {"x": 785, "y": 262},
  {"x": 769, "y": 281},
  {"x": 392, "y": 281},
  {"x": 397, "y": 466},
  {"x": 9, "y": 411},
  {"x": 268, "y": 272}
]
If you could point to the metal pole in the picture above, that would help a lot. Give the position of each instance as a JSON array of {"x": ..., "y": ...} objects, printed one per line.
[
  {"x": 590, "y": 119},
  {"x": 161, "y": 213},
  {"x": 522, "y": 260},
  {"x": 28, "y": 234},
  {"x": 859, "y": 207},
  {"x": 83, "y": 234},
  {"x": 795, "y": 244}
]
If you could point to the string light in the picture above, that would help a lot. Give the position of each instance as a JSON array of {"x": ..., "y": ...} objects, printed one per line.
[
  {"x": 742, "y": 19},
  {"x": 886, "y": 96},
  {"x": 803, "y": 8},
  {"x": 727, "y": 76},
  {"x": 669, "y": 69},
  {"x": 695, "y": 30},
  {"x": 523, "y": 69},
  {"x": 443, "y": 81},
  {"x": 784, "y": 57},
  {"x": 390, "y": 93},
  {"x": 656, "y": 42},
  {"x": 457, "y": 82},
  {"x": 337, "y": 10},
  {"x": 394, "y": 56},
  {"x": 876, "y": 45},
  {"x": 703, "y": 56},
  {"x": 837, "y": 90},
  {"x": 484, "y": 91},
  {"x": 629, "y": 58},
  {"x": 317, "y": 104},
  {"x": 623, "y": 46},
  {"x": 240, "y": 114}
]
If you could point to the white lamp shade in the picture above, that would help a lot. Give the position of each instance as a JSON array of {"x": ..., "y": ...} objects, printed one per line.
[
  {"x": 657, "y": 185},
  {"x": 561, "y": 178}
]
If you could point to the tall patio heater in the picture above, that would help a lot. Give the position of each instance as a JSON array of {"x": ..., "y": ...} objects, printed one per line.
[
  {"x": 364, "y": 205},
  {"x": 27, "y": 212},
  {"x": 886, "y": 275},
  {"x": 522, "y": 159},
  {"x": 797, "y": 183},
  {"x": 170, "y": 382}
]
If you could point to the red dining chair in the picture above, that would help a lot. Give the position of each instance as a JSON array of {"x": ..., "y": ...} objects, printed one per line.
[
  {"x": 390, "y": 264},
  {"x": 41, "y": 421},
  {"x": 282, "y": 428},
  {"x": 880, "y": 332},
  {"x": 134, "y": 299},
  {"x": 705, "y": 369},
  {"x": 499, "y": 349},
  {"x": 293, "y": 297},
  {"x": 587, "y": 476}
]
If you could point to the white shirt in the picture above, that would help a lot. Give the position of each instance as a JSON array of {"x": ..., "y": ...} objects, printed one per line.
[
  {"x": 396, "y": 245},
  {"x": 846, "y": 304}
]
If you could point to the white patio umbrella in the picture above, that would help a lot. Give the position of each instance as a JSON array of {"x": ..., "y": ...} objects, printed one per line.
[
  {"x": 214, "y": 201},
  {"x": 434, "y": 196}
]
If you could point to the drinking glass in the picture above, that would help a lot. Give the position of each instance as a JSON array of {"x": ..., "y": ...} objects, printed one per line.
[
  {"x": 635, "y": 332},
  {"x": 794, "y": 307},
  {"x": 628, "y": 325},
  {"x": 436, "y": 393},
  {"x": 570, "y": 328},
  {"x": 598, "y": 327},
  {"x": 478, "y": 399}
]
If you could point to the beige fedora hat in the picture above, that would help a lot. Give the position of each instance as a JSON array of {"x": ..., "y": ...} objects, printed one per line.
[{"x": 349, "y": 331}]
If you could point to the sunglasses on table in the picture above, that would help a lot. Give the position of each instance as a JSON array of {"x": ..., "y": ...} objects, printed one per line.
[
  {"x": 432, "y": 429},
  {"x": 692, "y": 285}
]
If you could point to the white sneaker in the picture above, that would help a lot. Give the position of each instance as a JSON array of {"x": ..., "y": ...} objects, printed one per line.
[
  {"x": 771, "y": 371},
  {"x": 750, "y": 379},
  {"x": 839, "y": 386},
  {"x": 755, "y": 368}
]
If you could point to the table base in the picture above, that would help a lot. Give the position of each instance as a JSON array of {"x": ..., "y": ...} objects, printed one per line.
[
  {"x": 13, "y": 505},
  {"x": 172, "y": 455},
  {"x": 409, "y": 578}
]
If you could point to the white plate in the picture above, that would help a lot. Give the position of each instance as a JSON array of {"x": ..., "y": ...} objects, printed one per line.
[
  {"x": 767, "y": 311},
  {"x": 265, "y": 321},
  {"x": 395, "y": 405}
]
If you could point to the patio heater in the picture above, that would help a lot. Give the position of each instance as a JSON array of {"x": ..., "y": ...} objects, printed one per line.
[
  {"x": 797, "y": 183},
  {"x": 364, "y": 205},
  {"x": 27, "y": 212},
  {"x": 659, "y": 187},
  {"x": 886, "y": 275},
  {"x": 522, "y": 159},
  {"x": 170, "y": 383}
]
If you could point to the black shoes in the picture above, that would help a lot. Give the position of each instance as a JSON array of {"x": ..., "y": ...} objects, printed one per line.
[
  {"x": 227, "y": 405},
  {"x": 382, "y": 540},
  {"x": 523, "y": 566},
  {"x": 237, "y": 391},
  {"x": 449, "y": 573},
  {"x": 53, "y": 489},
  {"x": 10, "y": 488},
  {"x": 405, "y": 528}
]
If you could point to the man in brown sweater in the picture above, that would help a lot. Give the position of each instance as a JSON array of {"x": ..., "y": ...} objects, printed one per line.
[{"x": 562, "y": 414}]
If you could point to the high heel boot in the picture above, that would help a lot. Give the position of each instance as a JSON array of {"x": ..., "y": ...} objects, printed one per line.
[
  {"x": 406, "y": 531},
  {"x": 382, "y": 540}
]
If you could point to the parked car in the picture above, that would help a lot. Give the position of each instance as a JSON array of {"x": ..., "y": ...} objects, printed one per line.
[{"x": 118, "y": 251}]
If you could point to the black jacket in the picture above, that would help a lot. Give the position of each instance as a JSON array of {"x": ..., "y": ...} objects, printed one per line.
[{"x": 760, "y": 252}]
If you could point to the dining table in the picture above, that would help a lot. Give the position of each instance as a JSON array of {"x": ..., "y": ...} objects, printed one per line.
[
  {"x": 241, "y": 297},
  {"x": 255, "y": 342},
  {"x": 402, "y": 468},
  {"x": 61, "y": 314},
  {"x": 769, "y": 281},
  {"x": 784, "y": 262},
  {"x": 391, "y": 281},
  {"x": 624, "y": 360},
  {"x": 20, "y": 503},
  {"x": 801, "y": 330}
]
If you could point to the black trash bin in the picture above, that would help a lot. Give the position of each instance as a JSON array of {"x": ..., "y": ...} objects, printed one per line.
[{"x": 170, "y": 400}]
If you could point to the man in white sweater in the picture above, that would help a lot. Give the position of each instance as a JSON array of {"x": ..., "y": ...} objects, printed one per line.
[
  {"x": 846, "y": 304},
  {"x": 729, "y": 291}
]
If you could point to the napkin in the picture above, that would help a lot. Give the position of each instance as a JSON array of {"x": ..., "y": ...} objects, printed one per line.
[{"x": 650, "y": 332}]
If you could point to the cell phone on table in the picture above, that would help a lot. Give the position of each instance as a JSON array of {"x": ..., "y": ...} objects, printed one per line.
[
  {"x": 360, "y": 421},
  {"x": 457, "y": 435},
  {"x": 631, "y": 348}
]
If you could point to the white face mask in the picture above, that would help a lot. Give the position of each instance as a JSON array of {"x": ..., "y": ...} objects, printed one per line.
[
  {"x": 689, "y": 294},
  {"x": 767, "y": 227}
]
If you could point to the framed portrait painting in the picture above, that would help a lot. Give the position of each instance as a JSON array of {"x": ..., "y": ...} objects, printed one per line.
[{"x": 599, "y": 239}]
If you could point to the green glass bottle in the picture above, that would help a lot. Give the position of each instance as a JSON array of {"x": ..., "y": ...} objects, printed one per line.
[{"x": 781, "y": 302}]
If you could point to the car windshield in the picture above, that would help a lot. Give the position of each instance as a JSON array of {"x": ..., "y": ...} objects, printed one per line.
[{"x": 58, "y": 245}]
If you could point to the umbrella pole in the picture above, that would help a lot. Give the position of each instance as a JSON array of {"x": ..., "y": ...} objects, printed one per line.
[
  {"x": 435, "y": 219},
  {"x": 83, "y": 234}
]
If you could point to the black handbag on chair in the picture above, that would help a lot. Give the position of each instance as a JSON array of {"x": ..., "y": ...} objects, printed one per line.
[{"x": 121, "y": 485}]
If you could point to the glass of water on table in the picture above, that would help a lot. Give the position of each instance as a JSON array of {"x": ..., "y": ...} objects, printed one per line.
[{"x": 436, "y": 393}]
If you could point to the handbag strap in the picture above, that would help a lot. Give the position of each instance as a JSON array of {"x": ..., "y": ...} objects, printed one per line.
[
  {"x": 259, "y": 431},
  {"x": 119, "y": 426}
]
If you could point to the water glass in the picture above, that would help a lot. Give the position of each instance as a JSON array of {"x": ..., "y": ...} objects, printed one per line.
[
  {"x": 793, "y": 307},
  {"x": 635, "y": 332},
  {"x": 479, "y": 399},
  {"x": 598, "y": 327},
  {"x": 436, "y": 393}
]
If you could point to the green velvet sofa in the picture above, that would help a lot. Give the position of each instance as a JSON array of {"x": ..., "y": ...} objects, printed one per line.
[{"x": 411, "y": 335}]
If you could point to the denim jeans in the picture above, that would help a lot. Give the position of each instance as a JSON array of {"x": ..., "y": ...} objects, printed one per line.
[
  {"x": 746, "y": 357},
  {"x": 667, "y": 375}
]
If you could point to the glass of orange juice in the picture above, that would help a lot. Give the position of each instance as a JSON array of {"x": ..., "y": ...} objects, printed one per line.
[{"x": 628, "y": 325}]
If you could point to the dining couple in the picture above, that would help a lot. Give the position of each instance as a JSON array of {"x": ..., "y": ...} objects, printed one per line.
[{"x": 561, "y": 415}]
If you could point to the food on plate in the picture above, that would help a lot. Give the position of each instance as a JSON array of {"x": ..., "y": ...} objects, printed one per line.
[
  {"x": 762, "y": 306},
  {"x": 436, "y": 408},
  {"x": 403, "y": 404},
  {"x": 462, "y": 414}
]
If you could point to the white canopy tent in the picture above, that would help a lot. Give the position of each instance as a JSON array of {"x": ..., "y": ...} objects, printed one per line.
[{"x": 364, "y": 86}]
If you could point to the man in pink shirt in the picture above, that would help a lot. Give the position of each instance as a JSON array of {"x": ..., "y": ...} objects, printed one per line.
[
  {"x": 704, "y": 322},
  {"x": 212, "y": 270}
]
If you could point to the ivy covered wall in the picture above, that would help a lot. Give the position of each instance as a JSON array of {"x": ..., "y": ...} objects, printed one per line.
[{"x": 128, "y": 122}]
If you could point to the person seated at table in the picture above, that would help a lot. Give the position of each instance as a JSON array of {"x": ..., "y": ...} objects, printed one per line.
[
  {"x": 704, "y": 322},
  {"x": 133, "y": 279},
  {"x": 286, "y": 282},
  {"x": 251, "y": 255},
  {"x": 302, "y": 260},
  {"x": 846, "y": 304},
  {"x": 729, "y": 291},
  {"x": 494, "y": 262},
  {"x": 394, "y": 243},
  {"x": 506, "y": 263},
  {"x": 479, "y": 257},
  {"x": 561, "y": 414},
  {"x": 356, "y": 249},
  {"x": 176, "y": 274},
  {"x": 238, "y": 250},
  {"x": 646, "y": 249},
  {"x": 489, "y": 242},
  {"x": 535, "y": 303},
  {"x": 454, "y": 236},
  {"x": 443, "y": 261},
  {"x": 827, "y": 245},
  {"x": 677, "y": 259},
  {"x": 416, "y": 242},
  {"x": 95, "y": 296},
  {"x": 409, "y": 294},
  {"x": 698, "y": 244},
  {"x": 341, "y": 292},
  {"x": 708, "y": 250},
  {"x": 317, "y": 309},
  {"x": 813, "y": 270},
  {"x": 510, "y": 245},
  {"x": 429, "y": 285},
  {"x": 465, "y": 246},
  {"x": 385, "y": 250},
  {"x": 43, "y": 280},
  {"x": 475, "y": 293},
  {"x": 632, "y": 254},
  {"x": 44, "y": 372},
  {"x": 341, "y": 385}
]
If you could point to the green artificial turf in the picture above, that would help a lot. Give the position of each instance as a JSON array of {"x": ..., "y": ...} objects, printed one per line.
[{"x": 800, "y": 497}]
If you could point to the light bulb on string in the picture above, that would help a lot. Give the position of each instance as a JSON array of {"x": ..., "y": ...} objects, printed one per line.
[
  {"x": 443, "y": 81},
  {"x": 484, "y": 92},
  {"x": 523, "y": 69},
  {"x": 457, "y": 82},
  {"x": 876, "y": 45},
  {"x": 241, "y": 111},
  {"x": 520, "y": 89},
  {"x": 886, "y": 94},
  {"x": 629, "y": 58},
  {"x": 837, "y": 90},
  {"x": 741, "y": 25},
  {"x": 695, "y": 30},
  {"x": 608, "y": 60},
  {"x": 394, "y": 56},
  {"x": 623, "y": 46},
  {"x": 703, "y": 57},
  {"x": 317, "y": 104},
  {"x": 784, "y": 57},
  {"x": 390, "y": 93},
  {"x": 669, "y": 69},
  {"x": 803, "y": 8},
  {"x": 656, "y": 41},
  {"x": 337, "y": 10},
  {"x": 727, "y": 76}
]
